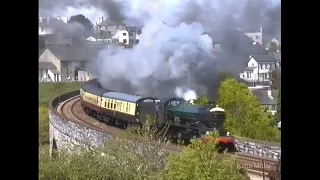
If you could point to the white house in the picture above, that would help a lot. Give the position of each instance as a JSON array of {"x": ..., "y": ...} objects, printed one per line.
[
  {"x": 255, "y": 36},
  {"x": 121, "y": 36},
  {"x": 127, "y": 35},
  {"x": 258, "y": 69},
  {"x": 267, "y": 98}
]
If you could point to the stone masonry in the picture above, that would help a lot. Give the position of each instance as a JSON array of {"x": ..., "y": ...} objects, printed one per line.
[
  {"x": 65, "y": 134},
  {"x": 272, "y": 152}
]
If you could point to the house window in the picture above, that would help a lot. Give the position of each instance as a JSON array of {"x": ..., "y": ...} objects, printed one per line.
[
  {"x": 260, "y": 66},
  {"x": 273, "y": 107},
  {"x": 131, "y": 34},
  {"x": 268, "y": 66},
  {"x": 124, "y": 41},
  {"x": 124, "y": 34},
  {"x": 252, "y": 64}
]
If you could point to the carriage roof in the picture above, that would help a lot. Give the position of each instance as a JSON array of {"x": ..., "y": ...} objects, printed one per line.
[{"x": 122, "y": 96}]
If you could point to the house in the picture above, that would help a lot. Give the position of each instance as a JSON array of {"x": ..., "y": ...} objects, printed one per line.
[
  {"x": 71, "y": 62},
  {"x": 105, "y": 36},
  {"x": 48, "y": 72},
  {"x": 258, "y": 69},
  {"x": 267, "y": 98},
  {"x": 256, "y": 36},
  {"x": 121, "y": 36},
  {"x": 110, "y": 25},
  {"x": 49, "y": 25},
  {"x": 230, "y": 40},
  {"x": 57, "y": 40},
  {"x": 134, "y": 34}
]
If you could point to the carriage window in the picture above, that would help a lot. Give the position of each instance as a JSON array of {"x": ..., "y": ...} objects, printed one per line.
[
  {"x": 127, "y": 107},
  {"x": 114, "y": 105},
  {"x": 120, "y": 106},
  {"x": 108, "y": 103},
  {"x": 105, "y": 104}
]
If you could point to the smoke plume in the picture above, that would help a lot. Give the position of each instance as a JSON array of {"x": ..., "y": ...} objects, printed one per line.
[{"x": 173, "y": 51}]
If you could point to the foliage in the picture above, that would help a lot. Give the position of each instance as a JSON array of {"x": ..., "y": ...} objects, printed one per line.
[
  {"x": 87, "y": 24},
  {"x": 273, "y": 47},
  {"x": 202, "y": 161},
  {"x": 141, "y": 154},
  {"x": 43, "y": 125},
  {"x": 50, "y": 90},
  {"x": 225, "y": 75},
  {"x": 278, "y": 114},
  {"x": 275, "y": 79},
  {"x": 202, "y": 100},
  {"x": 245, "y": 116}
]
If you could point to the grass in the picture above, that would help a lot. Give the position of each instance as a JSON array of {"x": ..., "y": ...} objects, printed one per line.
[
  {"x": 50, "y": 90},
  {"x": 47, "y": 92}
]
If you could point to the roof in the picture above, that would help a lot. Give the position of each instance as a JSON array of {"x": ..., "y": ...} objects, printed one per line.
[
  {"x": 108, "y": 22},
  {"x": 46, "y": 65},
  {"x": 51, "y": 22},
  {"x": 263, "y": 58},
  {"x": 250, "y": 68},
  {"x": 41, "y": 51},
  {"x": 122, "y": 96},
  {"x": 219, "y": 36},
  {"x": 276, "y": 55},
  {"x": 73, "y": 53},
  {"x": 135, "y": 29},
  {"x": 263, "y": 97}
]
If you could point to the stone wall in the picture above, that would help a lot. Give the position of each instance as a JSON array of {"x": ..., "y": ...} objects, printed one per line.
[
  {"x": 65, "y": 133},
  {"x": 267, "y": 151}
]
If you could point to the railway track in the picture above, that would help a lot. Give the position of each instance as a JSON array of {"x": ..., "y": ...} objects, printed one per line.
[{"x": 255, "y": 165}]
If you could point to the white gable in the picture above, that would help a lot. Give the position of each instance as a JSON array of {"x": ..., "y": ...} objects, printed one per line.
[{"x": 252, "y": 62}]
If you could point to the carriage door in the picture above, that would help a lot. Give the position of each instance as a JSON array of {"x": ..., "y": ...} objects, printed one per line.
[{"x": 99, "y": 101}]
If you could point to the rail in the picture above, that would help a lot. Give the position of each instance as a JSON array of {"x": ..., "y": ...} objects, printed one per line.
[{"x": 56, "y": 102}]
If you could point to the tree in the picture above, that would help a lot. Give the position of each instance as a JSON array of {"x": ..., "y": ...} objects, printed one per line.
[
  {"x": 202, "y": 100},
  {"x": 273, "y": 47},
  {"x": 245, "y": 116},
  {"x": 87, "y": 24},
  {"x": 275, "y": 77}
]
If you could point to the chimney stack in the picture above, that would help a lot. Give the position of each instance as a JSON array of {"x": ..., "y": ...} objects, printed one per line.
[{"x": 102, "y": 19}]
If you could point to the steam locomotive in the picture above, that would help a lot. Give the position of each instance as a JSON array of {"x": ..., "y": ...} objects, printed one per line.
[{"x": 185, "y": 120}]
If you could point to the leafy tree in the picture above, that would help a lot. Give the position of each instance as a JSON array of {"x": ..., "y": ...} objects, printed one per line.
[
  {"x": 245, "y": 116},
  {"x": 202, "y": 100},
  {"x": 225, "y": 75},
  {"x": 278, "y": 114},
  {"x": 275, "y": 77},
  {"x": 87, "y": 24},
  {"x": 273, "y": 47}
]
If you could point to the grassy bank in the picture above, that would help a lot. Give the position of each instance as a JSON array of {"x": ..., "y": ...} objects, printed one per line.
[{"x": 48, "y": 91}]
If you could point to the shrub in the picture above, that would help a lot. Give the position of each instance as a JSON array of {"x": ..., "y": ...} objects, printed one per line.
[{"x": 202, "y": 161}]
